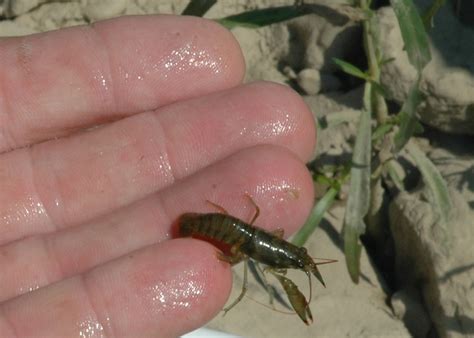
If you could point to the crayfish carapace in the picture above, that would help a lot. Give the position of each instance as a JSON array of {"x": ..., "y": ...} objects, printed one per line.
[{"x": 246, "y": 242}]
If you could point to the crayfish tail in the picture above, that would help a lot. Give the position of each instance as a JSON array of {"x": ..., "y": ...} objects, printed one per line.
[{"x": 187, "y": 224}]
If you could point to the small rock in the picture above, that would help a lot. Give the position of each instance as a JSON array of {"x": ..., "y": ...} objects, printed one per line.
[
  {"x": 312, "y": 81},
  {"x": 289, "y": 72},
  {"x": 96, "y": 10},
  {"x": 309, "y": 80}
]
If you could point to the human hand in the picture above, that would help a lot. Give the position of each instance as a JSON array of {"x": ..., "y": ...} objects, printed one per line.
[{"x": 86, "y": 214}]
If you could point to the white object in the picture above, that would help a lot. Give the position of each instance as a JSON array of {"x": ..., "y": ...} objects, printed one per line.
[{"x": 208, "y": 333}]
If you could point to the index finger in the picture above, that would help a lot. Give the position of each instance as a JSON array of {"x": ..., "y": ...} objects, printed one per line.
[{"x": 56, "y": 82}]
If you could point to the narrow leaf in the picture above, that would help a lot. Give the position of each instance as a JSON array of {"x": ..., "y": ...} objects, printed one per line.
[
  {"x": 413, "y": 33},
  {"x": 408, "y": 120},
  {"x": 267, "y": 16},
  {"x": 381, "y": 130},
  {"x": 315, "y": 217},
  {"x": 359, "y": 193},
  {"x": 264, "y": 17},
  {"x": 322, "y": 179},
  {"x": 386, "y": 61},
  {"x": 434, "y": 181},
  {"x": 393, "y": 173},
  {"x": 352, "y": 251},
  {"x": 350, "y": 69},
  {"x": 379, "y": 88},
  {"x": 198, "y": 7}
]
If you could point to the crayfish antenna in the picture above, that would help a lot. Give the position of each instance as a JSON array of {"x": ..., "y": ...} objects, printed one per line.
[{"x": 313, "y": 267}]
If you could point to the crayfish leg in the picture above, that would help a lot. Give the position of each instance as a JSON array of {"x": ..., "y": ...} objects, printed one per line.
[
  {"x": 234, "y": 258},
  {"x": 218, "y": 207},
  {"x": 257, "y": 209},
  {"x": 274, "y": 270},
  {"x": 279, "y": 232},
  {"x": 242, "y": 293},
  {"x": 265, "y": 282}
]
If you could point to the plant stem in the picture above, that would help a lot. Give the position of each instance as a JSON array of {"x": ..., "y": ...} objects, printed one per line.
[
  {"x": 431, "y": 12},
  {"x": 378, "y": 106},
  {"x": 375, "y": 103}
]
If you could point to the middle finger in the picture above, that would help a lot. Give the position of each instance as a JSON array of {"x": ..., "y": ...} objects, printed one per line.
[{"x": 69, "y": 181}]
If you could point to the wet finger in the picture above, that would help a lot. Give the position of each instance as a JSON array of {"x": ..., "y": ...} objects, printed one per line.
[
  {"x": 163, "y": 290},
  {"x": 109, "y": 70},
  {"x": 66, "y": 182},
  {"x": 277, "y": 181}
]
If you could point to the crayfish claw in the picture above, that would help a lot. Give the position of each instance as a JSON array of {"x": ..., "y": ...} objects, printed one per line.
[{"x": 296, "y": 298}]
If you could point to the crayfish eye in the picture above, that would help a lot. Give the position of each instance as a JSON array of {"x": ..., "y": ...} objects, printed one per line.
[{"x": 302, "y": 257}]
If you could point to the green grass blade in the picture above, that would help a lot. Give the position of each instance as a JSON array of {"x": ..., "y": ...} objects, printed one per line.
[
  {"x": 378, "y": 88},
  {"x": 198, "y": 7},
  {"x": 413, "y": 33},
  {"x": 408, "y": 121},
  {"x": 267, "y": 16},
  {"x": 350, "y": 69},
  {"x": 434, "y": 181},
  {"x": 264, "y": 17},
  {"x": 352, "y": 251},
  {"x": 315, "y": 217},
  {"x": 393, "y": 173},
  {"x": 381, "y": 131},
  {"x": 359, "y": 193}
]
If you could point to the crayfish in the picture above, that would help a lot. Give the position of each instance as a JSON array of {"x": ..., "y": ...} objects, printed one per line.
[{"x": 246, "y": 242}]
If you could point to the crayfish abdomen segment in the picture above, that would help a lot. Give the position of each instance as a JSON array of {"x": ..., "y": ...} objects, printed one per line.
[{"x": 223, "y": 228}]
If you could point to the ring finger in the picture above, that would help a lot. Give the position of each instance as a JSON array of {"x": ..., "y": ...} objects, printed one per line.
[{"x": 279, "y": 183}]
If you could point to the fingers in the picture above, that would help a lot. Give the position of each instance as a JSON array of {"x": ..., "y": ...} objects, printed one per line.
[
  {"x": 109, "y": 70},
  {"x": 274, "y": 177},
  {"x": 158, "y": 290},
  {"x": 69, "y": 181}
]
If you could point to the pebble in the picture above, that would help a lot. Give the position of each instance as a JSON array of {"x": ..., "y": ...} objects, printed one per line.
[{"x": 95, "y": 10}]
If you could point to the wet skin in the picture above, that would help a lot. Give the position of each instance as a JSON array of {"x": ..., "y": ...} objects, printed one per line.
[{"x": 86, "y": 213}]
